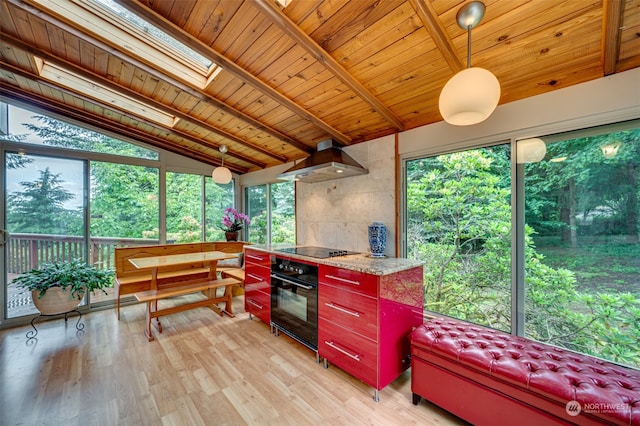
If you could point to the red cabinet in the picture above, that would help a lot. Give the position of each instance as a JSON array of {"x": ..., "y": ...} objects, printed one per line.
[
  {"x": 257, "y": 284},
  {"x": 364, "y": 321}
]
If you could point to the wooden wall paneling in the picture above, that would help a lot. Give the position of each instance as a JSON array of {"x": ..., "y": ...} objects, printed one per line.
[
  {"x": 225, "y": 87},
  {"x": 40, "y": 32},
  {"x": 149, "y": 85},
  {"x": 399, "y": 25},
  {"x": 246, "y": 37},
  {"x": 22, "y": 24},
  {"x": 322, "y": 12},
  {"x": 7, "y": 23},
  {"x": 126, "y": 76},
  {"x": 240, "y": 20},
  {"x": 199, "y": 16},
  {"x": 219, "y": 19},
  {"x": 180, "y": 11},
  {"x": 305, "y": 88},
  {"x": 272, "y": 45},
  {"x": 101, "y": 62},
  {"x": 342, "y": 27}
]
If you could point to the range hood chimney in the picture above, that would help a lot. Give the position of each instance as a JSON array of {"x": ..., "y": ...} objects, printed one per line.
[{"x": 328, "y": 162}]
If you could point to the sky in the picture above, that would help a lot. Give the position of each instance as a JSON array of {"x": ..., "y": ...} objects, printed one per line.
[{"x": 70, "y": 170}]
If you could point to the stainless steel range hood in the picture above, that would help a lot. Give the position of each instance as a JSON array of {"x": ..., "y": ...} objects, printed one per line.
[{"x": 328, "y": 162}]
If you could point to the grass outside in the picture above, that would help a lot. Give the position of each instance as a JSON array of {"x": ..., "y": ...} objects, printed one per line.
[{"x": 601, "y": 265}]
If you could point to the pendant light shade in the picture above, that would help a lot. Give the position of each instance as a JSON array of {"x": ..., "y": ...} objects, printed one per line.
[
  {"x": 471, "y": 95},
  {"x": 221, "y": 174}
]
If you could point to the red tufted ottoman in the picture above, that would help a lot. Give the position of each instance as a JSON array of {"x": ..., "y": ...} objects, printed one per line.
[{"x": 488, "y": 377}]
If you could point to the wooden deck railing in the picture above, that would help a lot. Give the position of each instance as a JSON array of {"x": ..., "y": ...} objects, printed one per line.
[{"x": 27, "y": 251}]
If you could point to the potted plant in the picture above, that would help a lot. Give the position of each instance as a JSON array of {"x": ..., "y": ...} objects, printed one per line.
[
  {"x": 59, "y": 287},
  {"x": 232, "y": 223}
]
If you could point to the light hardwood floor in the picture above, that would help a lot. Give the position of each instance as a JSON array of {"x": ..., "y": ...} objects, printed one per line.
[{"x": 202, "y": 370}]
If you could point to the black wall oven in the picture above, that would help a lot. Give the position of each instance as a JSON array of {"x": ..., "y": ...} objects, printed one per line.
[{"x": 294, "y": 300}]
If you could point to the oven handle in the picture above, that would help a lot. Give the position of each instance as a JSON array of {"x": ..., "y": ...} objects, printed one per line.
[{"x": 278, "y": 277}]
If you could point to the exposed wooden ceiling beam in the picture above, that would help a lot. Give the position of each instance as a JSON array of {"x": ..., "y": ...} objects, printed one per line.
[
  {"x": 40, "y": 80},
  {"x": 10, "y": 40},
  {"x": 180, "y": 84},
  {"x": 50, "y": 105},
  {"x": 611, "y": 25},
  {"x": 229, "y": 66},
  {"x": 275, "y": 14},
  {"x": 438, "y": 33}
]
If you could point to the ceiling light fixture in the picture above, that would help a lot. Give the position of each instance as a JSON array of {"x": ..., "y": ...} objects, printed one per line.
[
  {"x": 221, "y": 174},
  {"x": 471, "y": 95}
]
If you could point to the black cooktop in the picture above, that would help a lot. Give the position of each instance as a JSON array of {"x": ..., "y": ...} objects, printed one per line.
[{"x": 317, "y": 252}]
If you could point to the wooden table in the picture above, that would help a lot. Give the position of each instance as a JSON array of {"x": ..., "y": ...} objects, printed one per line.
[{"x": 155, "y": 263}]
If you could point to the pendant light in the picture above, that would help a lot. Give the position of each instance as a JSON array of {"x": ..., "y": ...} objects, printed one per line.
[
  {"x": 221, "y": 174},
  {"x": 471, "y": 95}
]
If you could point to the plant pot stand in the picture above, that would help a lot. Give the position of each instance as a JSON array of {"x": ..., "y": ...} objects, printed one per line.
[{"x": 33, "y": 333}]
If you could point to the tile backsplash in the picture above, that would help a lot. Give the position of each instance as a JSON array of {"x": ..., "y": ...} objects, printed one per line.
[{"x": 337, "y": 213}]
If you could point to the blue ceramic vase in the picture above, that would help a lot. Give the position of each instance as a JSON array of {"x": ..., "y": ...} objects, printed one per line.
[{"x": 377, "y": 239}]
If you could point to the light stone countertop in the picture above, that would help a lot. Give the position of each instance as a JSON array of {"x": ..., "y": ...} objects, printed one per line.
[{"x": 355, "y": 262}]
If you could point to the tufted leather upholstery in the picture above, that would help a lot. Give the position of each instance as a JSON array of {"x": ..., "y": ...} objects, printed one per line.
[{"x": 506, "y": 363}]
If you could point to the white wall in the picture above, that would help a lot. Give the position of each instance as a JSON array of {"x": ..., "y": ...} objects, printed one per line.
[{"x": 336, "y": 213}]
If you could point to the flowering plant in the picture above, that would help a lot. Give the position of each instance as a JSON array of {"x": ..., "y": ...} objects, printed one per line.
[{"x": 232, "y": 220}]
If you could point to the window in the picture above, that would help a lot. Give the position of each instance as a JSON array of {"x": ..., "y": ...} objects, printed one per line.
[
  {"x": 272, "y": 212},
  {"x": 29, "y": 127},
  {"x": 582, "y": 264},
  {"x": 184, "y": 208},
  {"x": 217, "y": 199},
  {"x": 459, "y": 223},
  {"x": 577, "y": 246}
]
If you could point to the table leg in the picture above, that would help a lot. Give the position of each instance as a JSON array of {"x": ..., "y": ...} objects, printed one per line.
[
  {"x": 148, "y": 332},
  {"x": 228, "y": 304}
]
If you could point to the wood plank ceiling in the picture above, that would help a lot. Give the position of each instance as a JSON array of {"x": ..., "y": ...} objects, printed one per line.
[{"x": 349, "y": 70}]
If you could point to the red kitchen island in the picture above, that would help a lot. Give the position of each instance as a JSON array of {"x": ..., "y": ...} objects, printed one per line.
[{"x": 366, "y": 309}]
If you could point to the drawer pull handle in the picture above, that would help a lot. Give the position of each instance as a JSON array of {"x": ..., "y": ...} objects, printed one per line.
[
  {"x": 350, "y": 355},
  {"x": 257, "y": 305},
  {"x": 255, "y": 277},
  {"x": 250, "y": 256},
  {"x": 341, "y": 309},
  {"x": 343, "y": 280}
]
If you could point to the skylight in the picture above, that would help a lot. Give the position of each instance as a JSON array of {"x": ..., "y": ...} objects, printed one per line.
[
  {"x": 102, "y": 93},
  {"x": 157, "y": 33},
  {"x": 107, "y": 21}
]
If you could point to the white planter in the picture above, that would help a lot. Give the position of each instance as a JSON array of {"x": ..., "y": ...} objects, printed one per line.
[{"x": 55, "y": 301}]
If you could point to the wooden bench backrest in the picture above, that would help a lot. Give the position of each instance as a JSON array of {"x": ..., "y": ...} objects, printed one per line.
[
  {"x": 225, "y": 246},
  {"x": 124, "y": 268}
]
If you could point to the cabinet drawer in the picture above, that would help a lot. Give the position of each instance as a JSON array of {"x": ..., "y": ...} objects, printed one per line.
[
  {"x": 257, "y": 278},
  {"x": 257, "y": 257},
  {"x": 353, "y": 353},
  {"x": 350, "y": 280},
  {"x": 353, "y": 311},
  {"x": 258, "y": 303}
]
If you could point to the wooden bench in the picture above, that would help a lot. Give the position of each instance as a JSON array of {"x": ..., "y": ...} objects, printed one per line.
[
  {"x": 130, "y": 280},
  {"x": 206, "y": 286},
  {"x": 235, "y": 273}
]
